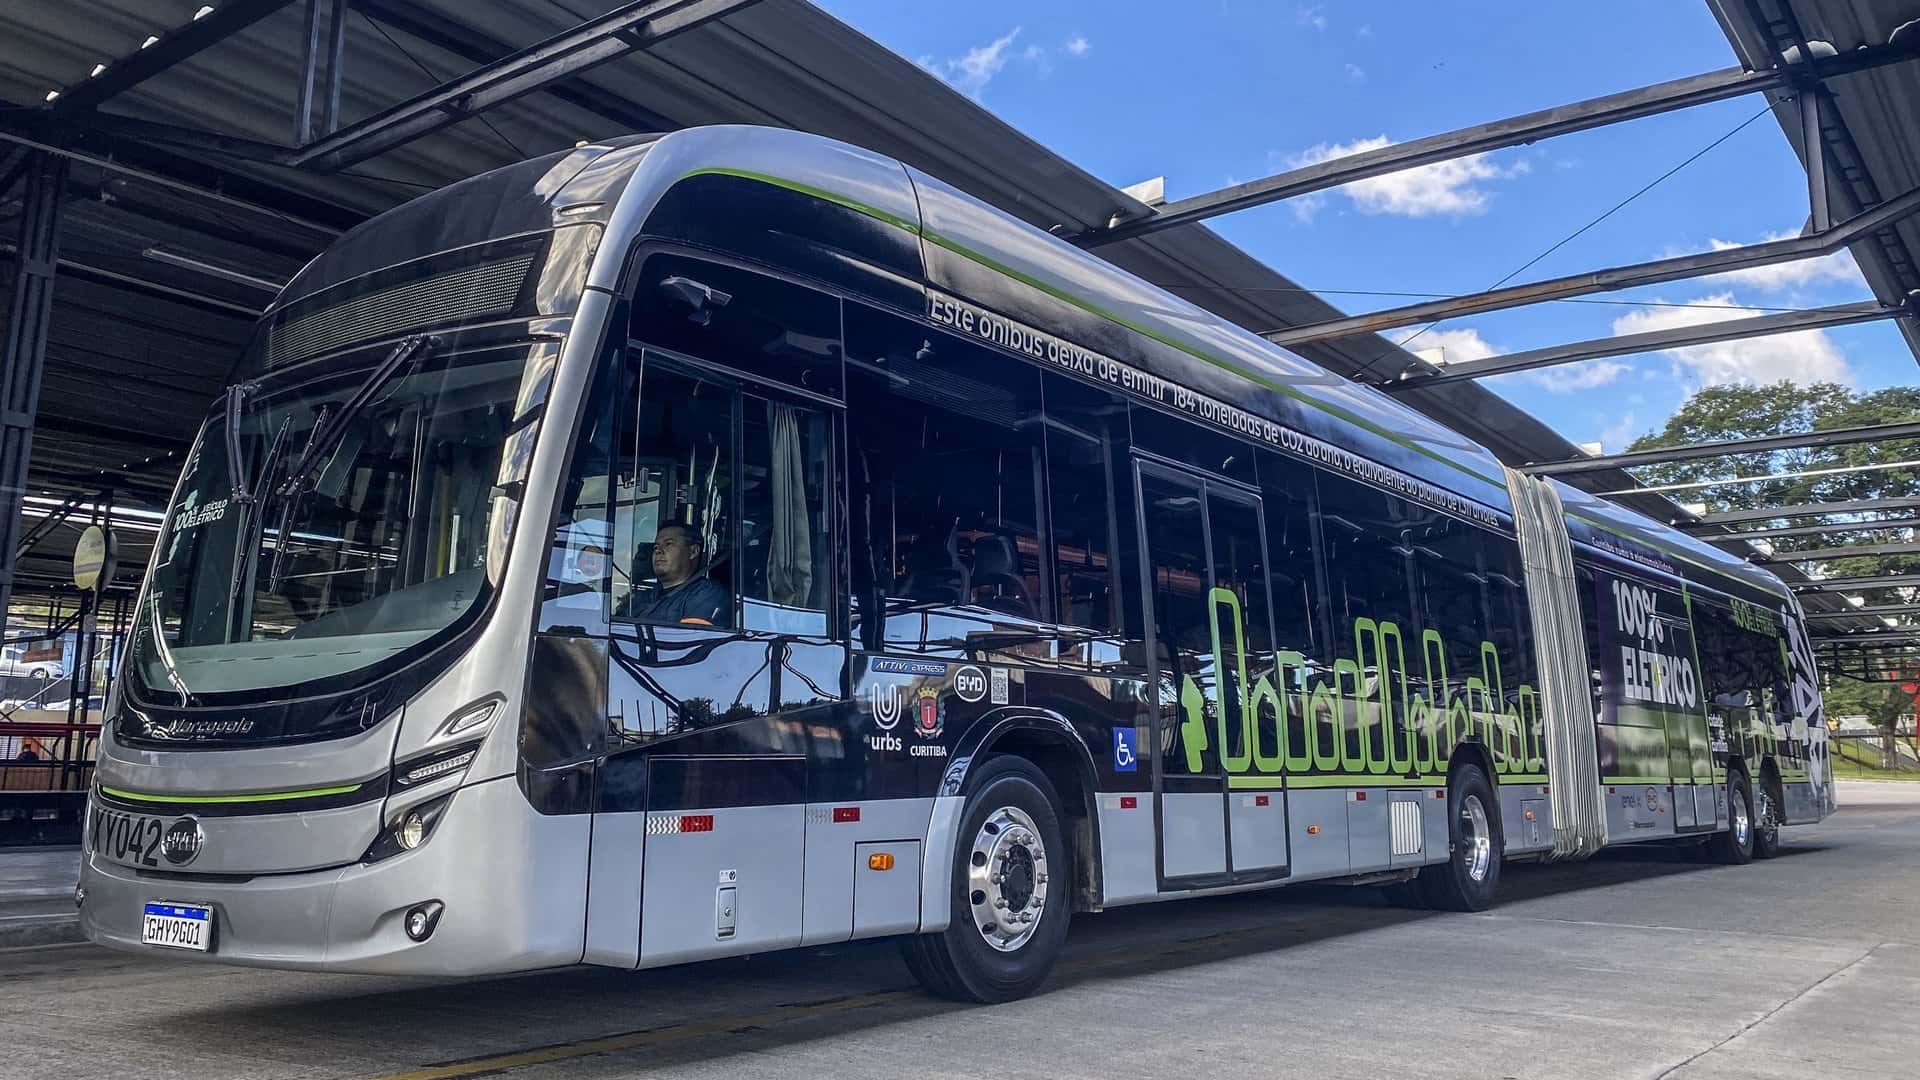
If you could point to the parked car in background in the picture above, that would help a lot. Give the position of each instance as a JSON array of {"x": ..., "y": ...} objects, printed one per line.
[{"x": 13, "y": 661}]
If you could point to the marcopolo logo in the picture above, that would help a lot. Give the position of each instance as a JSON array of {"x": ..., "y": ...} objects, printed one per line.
[{"x": 182, "y": 841}]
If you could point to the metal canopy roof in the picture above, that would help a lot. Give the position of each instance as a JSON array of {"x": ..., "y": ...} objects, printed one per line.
[{"x": 182, "y": 212}]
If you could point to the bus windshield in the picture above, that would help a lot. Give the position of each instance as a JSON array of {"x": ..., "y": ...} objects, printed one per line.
[{"x": 347, "y": 516}]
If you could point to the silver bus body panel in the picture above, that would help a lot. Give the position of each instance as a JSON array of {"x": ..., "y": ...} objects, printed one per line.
[{"x": 509, "y": 879}]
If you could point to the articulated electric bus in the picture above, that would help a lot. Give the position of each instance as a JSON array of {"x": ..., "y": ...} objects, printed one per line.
[{"x": 731, "y": 540}]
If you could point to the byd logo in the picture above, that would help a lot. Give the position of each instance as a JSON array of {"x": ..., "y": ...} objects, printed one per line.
[{"x": 970, "y": 683}]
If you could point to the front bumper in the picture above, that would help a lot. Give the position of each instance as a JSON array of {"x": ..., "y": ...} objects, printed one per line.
[{"x": 513, "y": 884}]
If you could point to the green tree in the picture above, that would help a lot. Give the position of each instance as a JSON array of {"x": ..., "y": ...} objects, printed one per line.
[{"x": 1736, "y": 412}]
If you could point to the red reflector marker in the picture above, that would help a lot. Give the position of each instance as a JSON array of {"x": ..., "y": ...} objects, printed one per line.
[
  {"x": 1359, "y": 796},
  {"x": 1261, "y": 800},
  {"x": 1128, "y": 802},
  {"x": 696, "y": 823},
  {"x": 844, "y": 814}
]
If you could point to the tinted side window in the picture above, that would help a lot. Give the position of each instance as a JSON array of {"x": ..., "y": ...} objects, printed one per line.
[
  {"x": 945, "y": 453},
  {"x": 1510, "y": 629},
  {"x": 1368, "y": 537},
  {"x": 1086, "y": 579},
  {"x": 720, "y": 509},
  {"x": 774, "y": 329}
]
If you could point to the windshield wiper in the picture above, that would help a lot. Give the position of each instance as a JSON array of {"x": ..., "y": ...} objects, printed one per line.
[
  {"x": 239, "y": 484},
  {"x": 243, "y": 559},
  {"x": 328, "y": 430}
]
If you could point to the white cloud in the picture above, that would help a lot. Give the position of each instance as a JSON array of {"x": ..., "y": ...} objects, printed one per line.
[
  {"x": 1365, "y": 31},
  {"x": 1465, "y": 343},
  {"x": 1356, "y": 73},
  {"x": 1444, "y": 187},
  {"x": 1615, "y": 436},
  {"x": 971, "y": 72},
  {"x": 1453, "y": 346},
  {"x": 1567, "y": 378},
  {"x": 1314, "y": 16},
  {"x": 1078, "y": 45},
  {"x": 1804, "y": 356},
  {"x": 1837, "y": 268}
]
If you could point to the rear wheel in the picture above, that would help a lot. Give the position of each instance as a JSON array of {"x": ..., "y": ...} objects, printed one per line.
[
  {"x": 1766, "y": 819},
  {"x": 1470, "y": 877},
  {"x": 1735, "y": 846},
  {"x": 1012, "y": 892}
]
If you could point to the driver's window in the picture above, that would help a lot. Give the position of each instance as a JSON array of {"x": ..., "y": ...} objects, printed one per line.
[{"x": 719, "y": 507}]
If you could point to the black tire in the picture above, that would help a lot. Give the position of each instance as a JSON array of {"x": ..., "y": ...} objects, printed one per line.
[
  {"x": 1734, "y": 847},
  {"x": 1470, "y": 878},
  {"x": 1766, "y": 818},
  {"x": 959, "y": 963},
  {"x": 39, "y": 673}
]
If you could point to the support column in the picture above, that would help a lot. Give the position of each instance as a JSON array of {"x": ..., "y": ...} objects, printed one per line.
[{"x": 26, "y": 348}]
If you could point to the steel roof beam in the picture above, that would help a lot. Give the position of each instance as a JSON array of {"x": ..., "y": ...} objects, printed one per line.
[
  {"x": 226, "y": 182},
  {"x": 1873, "y": 611},
  {"x": 1514, "y": 131},
  {"x": 1724, "y": 447},
  {"x": 476, "y": 48},
  {"x": 1612, "y": 279},
  {"x": 1652, "y": 341},
  {"x": 1863, "y": 583},
  {"x": 1828, "y": 554},
  {"x": 1797, "y": 510},
  {"x": 173, "y": 47},
  {"x": 1816, "y": 530},
  {"x": 632, "y": 27}
]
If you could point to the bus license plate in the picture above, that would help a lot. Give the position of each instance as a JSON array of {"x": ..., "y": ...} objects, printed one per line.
[{"x": 177, "y": 926}]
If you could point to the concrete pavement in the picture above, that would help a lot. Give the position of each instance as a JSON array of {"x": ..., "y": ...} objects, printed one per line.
[{"x": 1637, "y": 964}]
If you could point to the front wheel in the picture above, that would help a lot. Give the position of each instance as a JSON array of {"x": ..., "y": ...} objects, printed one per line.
[
  {"x": 1470, "y": 877},
  {"x": 1012, "y": 891},
  {"x": 1735, "y": 846}
]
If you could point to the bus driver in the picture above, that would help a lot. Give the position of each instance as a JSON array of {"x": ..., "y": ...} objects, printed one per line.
[{"x": 684, "y": 593}]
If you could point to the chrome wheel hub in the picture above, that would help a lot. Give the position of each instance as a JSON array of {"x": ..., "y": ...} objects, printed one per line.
[
  {"x": 1007, "y": 878},
  {"x": 1476, "y": 837},
  {"x": 1742, "y": 822}
]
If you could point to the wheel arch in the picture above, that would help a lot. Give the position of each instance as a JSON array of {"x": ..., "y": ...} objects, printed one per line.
[{"x": 1050, "y": 742}]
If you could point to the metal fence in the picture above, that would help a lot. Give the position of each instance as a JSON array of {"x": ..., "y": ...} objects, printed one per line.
[{"x": 1867, "y": 756}]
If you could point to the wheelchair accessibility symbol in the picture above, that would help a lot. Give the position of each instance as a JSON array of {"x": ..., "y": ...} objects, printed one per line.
[{"x": 1124, "y": 759}]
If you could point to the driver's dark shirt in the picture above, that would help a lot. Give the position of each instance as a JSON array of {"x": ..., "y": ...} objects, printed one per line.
[{"x": 695, "y": 598}]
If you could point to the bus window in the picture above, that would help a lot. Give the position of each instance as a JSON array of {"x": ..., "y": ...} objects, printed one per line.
[
  {"x": 710, "y": 530},
  {"x": 1368, "y": 538},
  {"x": 945, "y": 455},
  {"x": 749, "y": 322},
  {"x": 1086, "y": 581}
]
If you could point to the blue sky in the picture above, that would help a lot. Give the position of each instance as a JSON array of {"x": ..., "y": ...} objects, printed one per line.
[{"x": 1219, "y": 91}]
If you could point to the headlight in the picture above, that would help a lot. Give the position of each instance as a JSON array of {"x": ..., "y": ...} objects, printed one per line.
[
  {"x": 409, "y": 830},
  {"x": 412, "y": 831},
  {"x": 441, "y": 763}
]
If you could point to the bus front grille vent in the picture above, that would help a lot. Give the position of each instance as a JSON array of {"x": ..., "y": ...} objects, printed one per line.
[{"x": 467, "y": 293}]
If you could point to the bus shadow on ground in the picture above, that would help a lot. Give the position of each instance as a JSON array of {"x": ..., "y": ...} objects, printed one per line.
[{"x": 791, "y": 997}]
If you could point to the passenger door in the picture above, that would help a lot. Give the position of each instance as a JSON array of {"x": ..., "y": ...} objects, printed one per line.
[{"x": 1219, "y": 793}]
